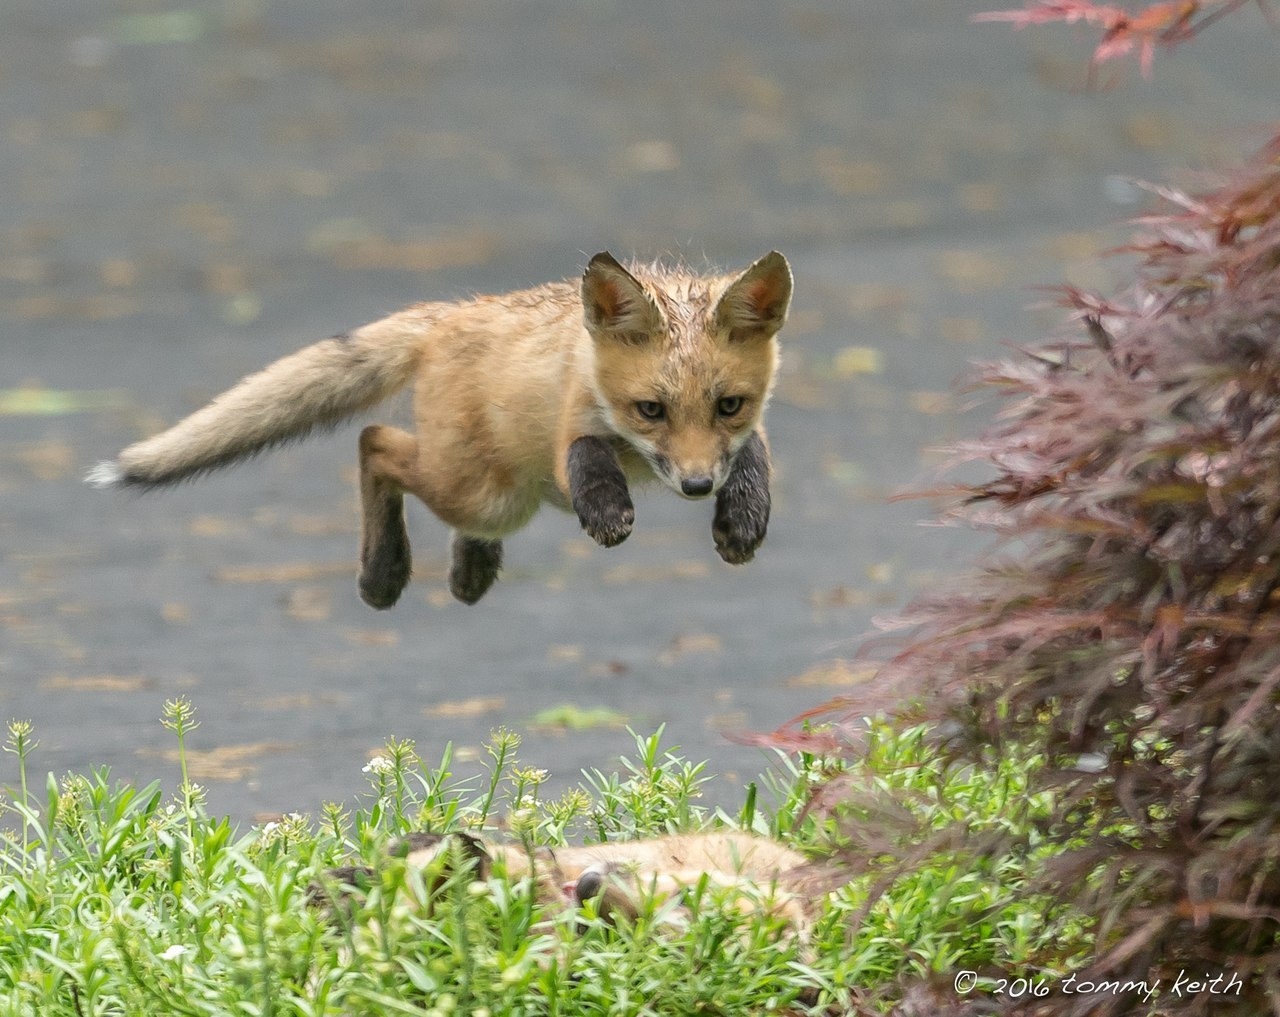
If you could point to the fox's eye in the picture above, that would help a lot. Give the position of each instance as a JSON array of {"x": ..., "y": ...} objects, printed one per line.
[
  {"x": 651, "y": 410},
  {"x": 729, "y": 405}
]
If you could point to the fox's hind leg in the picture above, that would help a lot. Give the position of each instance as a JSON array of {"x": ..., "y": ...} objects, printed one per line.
[
  {"x": 388, "y": 460},
  {"x": 476, "y": 562}
]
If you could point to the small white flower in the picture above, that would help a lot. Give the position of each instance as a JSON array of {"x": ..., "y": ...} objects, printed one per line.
[
  {"x": 267, "y": 830},
  {"x": 380, "y": 765},
  {"x": 174, "y": 952}
]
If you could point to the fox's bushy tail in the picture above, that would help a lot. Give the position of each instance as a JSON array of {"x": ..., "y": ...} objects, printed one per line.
[{"x": 318, "y": 386}]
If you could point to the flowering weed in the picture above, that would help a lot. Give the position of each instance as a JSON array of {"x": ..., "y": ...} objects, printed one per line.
[{"x": 123, "y": 900}]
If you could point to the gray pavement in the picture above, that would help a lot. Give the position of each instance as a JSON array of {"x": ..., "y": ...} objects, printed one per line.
[{"x": 192, "y": 191}]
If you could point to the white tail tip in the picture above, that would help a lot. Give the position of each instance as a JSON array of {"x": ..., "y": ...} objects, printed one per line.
[{"x": 105, "y": 474}]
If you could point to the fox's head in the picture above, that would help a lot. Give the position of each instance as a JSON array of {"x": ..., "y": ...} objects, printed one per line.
[{"x": 684, "y": 364}]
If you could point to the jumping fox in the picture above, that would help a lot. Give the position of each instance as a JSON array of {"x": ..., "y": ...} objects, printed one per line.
[
  {"x": 618, "y": 877},
  {"x": 565, "y": 393}
]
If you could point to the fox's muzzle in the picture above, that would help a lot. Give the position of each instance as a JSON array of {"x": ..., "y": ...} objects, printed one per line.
[{"x": 693, "y": 486}]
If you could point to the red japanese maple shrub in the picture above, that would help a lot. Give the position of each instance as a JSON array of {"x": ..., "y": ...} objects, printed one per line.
[{"x": 1132, "y": 628}]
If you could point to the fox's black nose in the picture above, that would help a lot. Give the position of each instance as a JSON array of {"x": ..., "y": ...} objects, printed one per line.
[{"x": 696, "y": 487}]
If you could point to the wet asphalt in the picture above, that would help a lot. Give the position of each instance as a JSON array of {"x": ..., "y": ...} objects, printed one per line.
[{"x": 192, "y": 191}]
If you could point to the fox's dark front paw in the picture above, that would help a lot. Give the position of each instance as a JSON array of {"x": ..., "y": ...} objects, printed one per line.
[
  {"x": 737, "y": 539},
  {"x": 742, "y": 506},
  {"x": 598, "y": 489},
  {"x": 606, "y": 515}
]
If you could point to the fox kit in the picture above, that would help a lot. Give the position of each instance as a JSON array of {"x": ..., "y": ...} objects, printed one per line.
[
  {"x": 619, "y": 876},
  {"x": 565, "y": 393}
]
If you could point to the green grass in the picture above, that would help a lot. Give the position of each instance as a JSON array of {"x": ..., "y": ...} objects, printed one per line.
[{"x": 117, "y": 899}]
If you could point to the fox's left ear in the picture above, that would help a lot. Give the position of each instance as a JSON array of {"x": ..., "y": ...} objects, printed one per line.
[
  {"x": 614, "y": 303},
  {"x": 755, "y": 304}
]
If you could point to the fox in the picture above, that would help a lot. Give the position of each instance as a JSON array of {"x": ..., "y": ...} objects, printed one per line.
[
  {"x": 616, "y": 878},
  {"x": 565, "y": 394}
]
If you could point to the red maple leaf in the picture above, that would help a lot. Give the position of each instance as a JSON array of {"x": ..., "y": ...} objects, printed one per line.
[{"x": 1124, "y": 31}]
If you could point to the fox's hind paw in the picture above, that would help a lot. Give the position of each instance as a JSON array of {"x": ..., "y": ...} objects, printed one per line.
[
  {"x": 476, "y": 563},
  {"x": 385, "y": 570}
]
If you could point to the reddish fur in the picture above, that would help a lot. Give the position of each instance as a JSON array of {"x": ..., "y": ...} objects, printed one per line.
[{"x": 504, "y": 385}]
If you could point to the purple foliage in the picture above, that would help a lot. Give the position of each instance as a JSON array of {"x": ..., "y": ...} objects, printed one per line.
[{"x": 1131, "y": 624}]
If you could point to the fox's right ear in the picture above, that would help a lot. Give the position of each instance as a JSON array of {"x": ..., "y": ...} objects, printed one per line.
[
  {"x": 755, "y": 304},
  {"x": 614, "y": 303}
]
